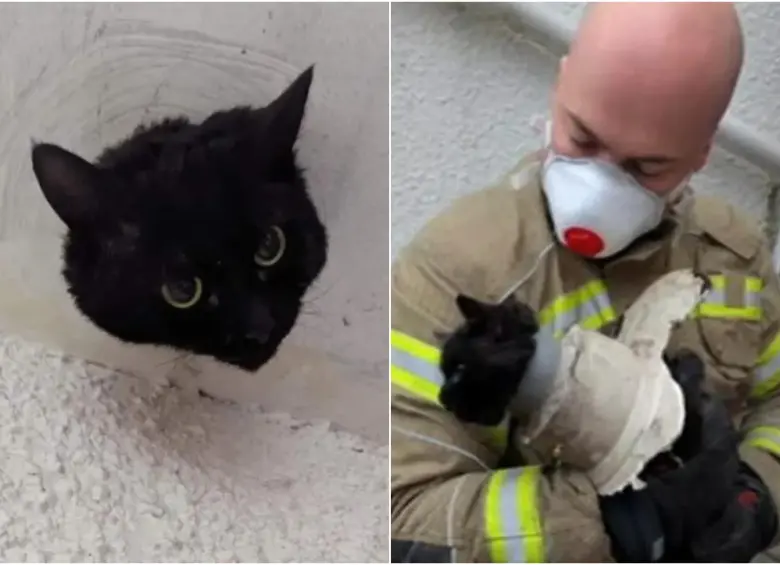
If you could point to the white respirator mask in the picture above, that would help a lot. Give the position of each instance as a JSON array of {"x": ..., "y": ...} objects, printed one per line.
[{"x": 598, "y": 209}]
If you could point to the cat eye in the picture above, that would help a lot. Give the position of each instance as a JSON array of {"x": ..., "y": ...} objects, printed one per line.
[
  {"x": 271, "y": 248},
  {"x": 183, "y": 294}
]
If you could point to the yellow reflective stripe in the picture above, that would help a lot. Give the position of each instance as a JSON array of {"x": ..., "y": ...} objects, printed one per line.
[
  {"x": 415, "y": 385},
  {"x": 754, "y": 284},
  {"x": 707, "y": 310},
  {"x": 718, "y": 282},
  {"x": 587, "y": 306},
  {"x": 714, "y": 304},
  {"x": 419, "y": 349},
  {"x": 414, "y": 367},
  {"x": 766, "y": 438},
  {"x": 499, "y": 435},
  {"x": 770, "y": 352},
  {"x": 570, "y": 301},
  {"x": 513, "y": 525},
  {"x": 767, "y": 372}
]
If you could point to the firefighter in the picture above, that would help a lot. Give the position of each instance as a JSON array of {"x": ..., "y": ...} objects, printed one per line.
[{"x": 576, "y": 232}]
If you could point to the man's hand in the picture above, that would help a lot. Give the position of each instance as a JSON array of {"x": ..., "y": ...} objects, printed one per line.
[
  {"x": 677, "y": 505},
  {"x": 746, "y": 522},
  {"x": 485, "y": 359}
]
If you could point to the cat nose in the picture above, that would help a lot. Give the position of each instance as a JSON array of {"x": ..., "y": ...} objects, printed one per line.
[
  {"x": 258, "y": 336},
  {"x": 261, "y": 324}
]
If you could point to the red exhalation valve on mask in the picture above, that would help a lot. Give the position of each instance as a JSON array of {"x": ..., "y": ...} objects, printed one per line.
[{"x": 583, "y": 241}]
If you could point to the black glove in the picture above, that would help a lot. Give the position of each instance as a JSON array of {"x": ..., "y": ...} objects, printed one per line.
[
  {"x": 657, "y": 522},
  {"x": 743, "y": 530},
  {"x": 484, "y": 360}
]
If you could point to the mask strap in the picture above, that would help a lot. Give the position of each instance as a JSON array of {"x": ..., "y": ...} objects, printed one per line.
[
  {"x": 547, "y": 133},
  {"x": 537, "y": 263},
  {"x": 677, "y": 194}
]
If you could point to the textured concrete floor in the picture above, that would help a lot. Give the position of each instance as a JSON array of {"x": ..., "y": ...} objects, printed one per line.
[{"x": 102, "y": 466}]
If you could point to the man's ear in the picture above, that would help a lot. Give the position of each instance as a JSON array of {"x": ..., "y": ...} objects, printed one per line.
[
  {"x": 285, "y": 114},
  {"x": 70, "y": 184}
]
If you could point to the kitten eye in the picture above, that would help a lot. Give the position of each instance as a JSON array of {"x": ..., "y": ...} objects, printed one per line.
[
  {"x": 271, "y": 248},
  {"x": 183, "y": 294}
]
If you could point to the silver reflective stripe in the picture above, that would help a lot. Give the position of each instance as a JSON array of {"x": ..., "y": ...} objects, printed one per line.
[
  {"x": 752, "y": 298},
  {"x": 715, "y": 296},
  {"x": 595, "y": 306},
  {"x": 765, "y": 432},
  {"x": 509, "y": 509},
  {"x": 768, "y": 370},
  {"x": 564, "y": 321},
  {"x": 767, "y": 374},
  {"x": 416, "y": 366},
  {"x": 513, "y": 523},
  {"x": 766, "y": 438}
]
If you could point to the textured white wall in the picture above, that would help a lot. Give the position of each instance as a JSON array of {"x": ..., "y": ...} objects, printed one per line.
[
  {"x": 468, "y": 92},
  {"x": 755, "y": 102},
  {"x": 84, "y": 75}
]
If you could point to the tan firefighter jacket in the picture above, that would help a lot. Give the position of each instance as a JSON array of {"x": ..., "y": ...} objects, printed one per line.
[{"x": 464, "y": 493}]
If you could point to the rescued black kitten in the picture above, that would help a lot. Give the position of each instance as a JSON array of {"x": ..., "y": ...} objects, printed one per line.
[
  {"x": 484, "y": 360},
  {"x": 200, "y": 237}
]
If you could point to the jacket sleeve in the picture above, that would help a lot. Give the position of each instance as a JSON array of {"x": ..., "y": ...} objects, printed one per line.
[
  {"x": 450, "y": 500},
  {"x": 760, "y": 447}
]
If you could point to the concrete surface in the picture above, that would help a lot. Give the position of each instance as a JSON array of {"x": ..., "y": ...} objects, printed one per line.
[
  {"x": 104, "y": 67},
  {"x": 470, "y": 95},
  {"x": 106, "y": 467}
]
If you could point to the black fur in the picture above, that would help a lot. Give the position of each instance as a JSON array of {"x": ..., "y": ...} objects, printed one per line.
[
  {"x": 484, "y": 360},
  {"x": 178, "y": 200}
]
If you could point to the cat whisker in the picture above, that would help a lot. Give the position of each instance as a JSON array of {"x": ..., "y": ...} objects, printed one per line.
[
  {"x": 316, "y": 298},
  {"x": 173, "y": 360}
]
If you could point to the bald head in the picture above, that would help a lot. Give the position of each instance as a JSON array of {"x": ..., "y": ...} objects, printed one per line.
[{"x": 650, "y": 80}]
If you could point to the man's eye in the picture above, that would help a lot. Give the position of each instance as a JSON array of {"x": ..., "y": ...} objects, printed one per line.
[
  {"x": 583, "y": 143},
  {"x": 646, "y": 171}
]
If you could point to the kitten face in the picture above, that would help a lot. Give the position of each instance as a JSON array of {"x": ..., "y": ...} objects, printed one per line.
[
  {"x": 485, "y": 359},
  {"x": 201, "y": 237}
]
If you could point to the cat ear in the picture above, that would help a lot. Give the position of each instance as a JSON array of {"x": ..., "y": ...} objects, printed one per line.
[
  {"x": 69, "y": 183},
  {"x": 473, "y": 310},
  {"x": 286, "y": 112}
]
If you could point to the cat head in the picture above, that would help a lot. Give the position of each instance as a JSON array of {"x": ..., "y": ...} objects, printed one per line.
[
  {"x": 201, "y": 237},
  {"x": 484, "y": 360}
]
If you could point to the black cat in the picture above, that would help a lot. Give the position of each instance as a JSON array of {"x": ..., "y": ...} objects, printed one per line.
[
  {"x": 484, "y": 360},
  {"x": 200, "y": 237}
]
